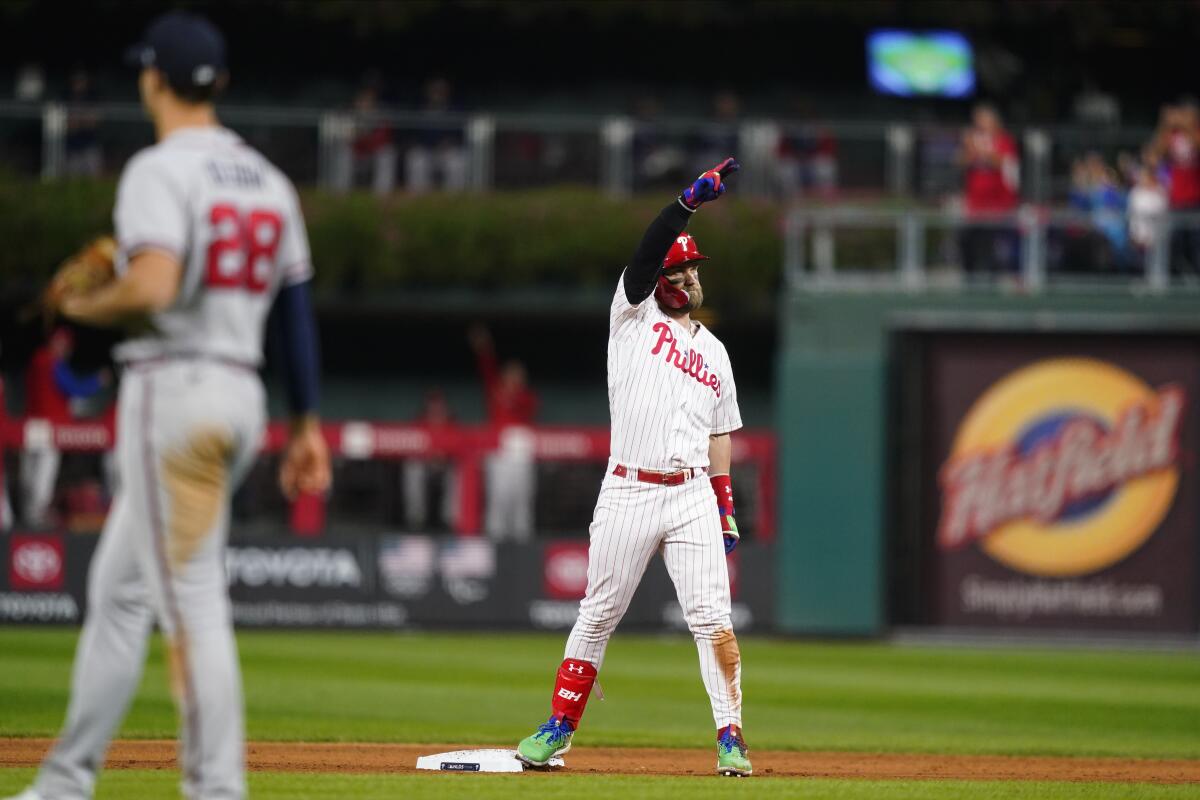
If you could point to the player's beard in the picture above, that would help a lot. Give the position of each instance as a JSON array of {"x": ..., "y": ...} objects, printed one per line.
[{"x": 695, "y": 298}]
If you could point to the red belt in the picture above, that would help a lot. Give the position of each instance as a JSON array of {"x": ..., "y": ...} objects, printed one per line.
[{"x": 660, "y": 478}]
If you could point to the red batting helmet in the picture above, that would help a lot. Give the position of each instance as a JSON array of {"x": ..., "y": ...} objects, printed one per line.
[{"x": 683, "y": 251}]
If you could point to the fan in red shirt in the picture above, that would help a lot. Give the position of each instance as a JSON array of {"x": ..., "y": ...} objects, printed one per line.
[
  {"x": 44, "y": 398},
  {"x": 510, "y": 471},
  {"x": 991, "y": 170},
  {"x": 432, "y": 481},
  {"x": 49, "y": 387},
  {"x": 1176, "y": 147}
]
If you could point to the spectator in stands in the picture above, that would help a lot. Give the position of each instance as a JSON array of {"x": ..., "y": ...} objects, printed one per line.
[
  {"x": 50, "y": 385},
  {"x": 83, "y": 154},
  {"x": 438, "y": 158},
  {"x": 1147, "y": 207},
  {"x": 1176, "y": 148},
  {"x": 657, "y": 158},
  {"x": 822, "y": 164},
  {"x": 421, "y": 475},
  {"x": 1097, "y": 190},
  {"x": 806, "y": 160},
  {"x": 370, "y": 152},
  {"x": 510, "y": 474},
  {"x": 1129, "y": 168},
  {"x": 30, "y": 83},
  {"x": 988, "y": 156}
]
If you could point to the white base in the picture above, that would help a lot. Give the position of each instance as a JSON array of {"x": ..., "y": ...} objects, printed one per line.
[{"x": 478, "y": 761}]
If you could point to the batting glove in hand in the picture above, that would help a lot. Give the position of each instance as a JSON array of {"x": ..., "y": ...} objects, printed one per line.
[
  {"x": 729, "y": 532},
  {"x": 710, "y": 185}
]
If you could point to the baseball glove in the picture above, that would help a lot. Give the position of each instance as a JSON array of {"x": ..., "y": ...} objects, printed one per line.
[{"x": 82, "y": 273}]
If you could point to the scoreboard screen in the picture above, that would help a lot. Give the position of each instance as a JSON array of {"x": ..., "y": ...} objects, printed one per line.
[{"x": 920, "y": 64}]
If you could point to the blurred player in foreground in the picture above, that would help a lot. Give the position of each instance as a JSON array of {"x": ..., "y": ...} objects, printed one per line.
[
  {"x": 673, "y": 404},
  {"x": 209, "y": 234}
]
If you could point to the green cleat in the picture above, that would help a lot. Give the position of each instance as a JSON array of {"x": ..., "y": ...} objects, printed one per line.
[
  {"x": 551, "y": 739},
  {"x": 731, "y": 753}
]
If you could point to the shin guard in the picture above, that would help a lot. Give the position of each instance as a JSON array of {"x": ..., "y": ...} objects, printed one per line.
[{"x": 571, "y": 689}]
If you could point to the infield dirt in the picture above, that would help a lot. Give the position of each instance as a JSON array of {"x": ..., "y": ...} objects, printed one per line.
[{"x": 401, "y": 758}]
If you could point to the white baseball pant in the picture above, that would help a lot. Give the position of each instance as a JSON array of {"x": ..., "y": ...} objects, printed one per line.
[
  {"x": 632, "y": 521},
  {"x": 187, "y": 433}
]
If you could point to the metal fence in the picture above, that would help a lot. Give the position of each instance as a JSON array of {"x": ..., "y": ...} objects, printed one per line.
[
  {"x": 415, "y": 151},
  {"x": 1033, "y": 249}
]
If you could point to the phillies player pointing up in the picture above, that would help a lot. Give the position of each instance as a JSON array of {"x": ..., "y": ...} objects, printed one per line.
[{"x": 673, "y": 404}]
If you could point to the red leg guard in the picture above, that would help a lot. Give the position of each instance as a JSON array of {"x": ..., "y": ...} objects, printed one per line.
[{"x": 572, "y": 688}]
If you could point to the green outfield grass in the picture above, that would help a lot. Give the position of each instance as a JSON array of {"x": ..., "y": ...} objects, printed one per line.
[
  {"x": 161, "y": 785},
  {"x": 494, "y": 688}
]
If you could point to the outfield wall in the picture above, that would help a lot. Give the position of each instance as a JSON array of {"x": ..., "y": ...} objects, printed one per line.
[
  {"x": 386, "y": 581},
  {"x": 854, "y": 556}
]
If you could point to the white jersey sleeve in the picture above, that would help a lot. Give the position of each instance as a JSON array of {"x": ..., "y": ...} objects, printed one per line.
[
  {"x": 295, "y": 260},
  {"x": 151, "y": 211},
  {"x": 727, "y": 417}
]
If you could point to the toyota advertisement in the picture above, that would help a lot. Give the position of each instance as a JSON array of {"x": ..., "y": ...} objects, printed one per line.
[{"x": 384, "y": 581}]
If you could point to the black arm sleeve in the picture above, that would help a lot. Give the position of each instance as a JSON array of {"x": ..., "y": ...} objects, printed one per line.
[{"x": 642, "y": 272}]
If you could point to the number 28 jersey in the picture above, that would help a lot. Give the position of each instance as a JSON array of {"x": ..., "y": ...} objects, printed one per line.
[{"x": 233, "y": 222}]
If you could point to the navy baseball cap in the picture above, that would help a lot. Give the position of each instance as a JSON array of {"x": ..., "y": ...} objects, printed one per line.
[{"x": 188, "y": 49}]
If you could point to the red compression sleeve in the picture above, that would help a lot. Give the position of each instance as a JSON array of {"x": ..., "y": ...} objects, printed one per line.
[{"x": 723, "y": 488}]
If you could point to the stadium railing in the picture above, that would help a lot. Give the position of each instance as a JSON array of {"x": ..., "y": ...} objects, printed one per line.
[
  {"x": 1033, "y": 249},
  {"x": 782, "y": 158}
]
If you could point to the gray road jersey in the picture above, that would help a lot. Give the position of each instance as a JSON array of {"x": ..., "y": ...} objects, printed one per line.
[{"x": 234, "y": 223}]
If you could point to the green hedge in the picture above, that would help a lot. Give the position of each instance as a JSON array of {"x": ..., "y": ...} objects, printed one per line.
[{"x": 563, "y": 237}]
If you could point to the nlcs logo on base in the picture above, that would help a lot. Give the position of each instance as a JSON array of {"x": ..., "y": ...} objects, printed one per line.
[{"x": 1062, "y": 468}]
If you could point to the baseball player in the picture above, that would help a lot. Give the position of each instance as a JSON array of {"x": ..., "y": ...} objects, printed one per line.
[
  {"x": 673, "y": 404},
  {"x": 209, "y": 235}
]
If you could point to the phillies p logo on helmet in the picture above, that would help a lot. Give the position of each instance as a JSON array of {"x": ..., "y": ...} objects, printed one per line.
[{"x": 682, "y": 251}]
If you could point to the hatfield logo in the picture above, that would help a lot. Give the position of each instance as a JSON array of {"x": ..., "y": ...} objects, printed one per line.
[
  {"x": 36, "y": 563},
  {"x": 1062, "y": 468},
  {"x": 296, "y": 567}
]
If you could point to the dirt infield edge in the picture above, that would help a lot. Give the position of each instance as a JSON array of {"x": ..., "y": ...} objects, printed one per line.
[{"x": 307, "y": 757}]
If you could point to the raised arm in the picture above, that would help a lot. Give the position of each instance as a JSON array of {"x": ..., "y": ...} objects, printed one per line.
[{"x": 642, "y": 273}]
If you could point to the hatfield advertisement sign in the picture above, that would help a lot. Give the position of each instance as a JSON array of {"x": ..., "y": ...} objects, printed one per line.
[{"x": 1064, "y": 494}]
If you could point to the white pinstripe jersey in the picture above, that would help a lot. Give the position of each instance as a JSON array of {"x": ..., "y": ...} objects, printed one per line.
[
  {"x": 232, "y": 220},
  {"x": 668, "y": 391}
]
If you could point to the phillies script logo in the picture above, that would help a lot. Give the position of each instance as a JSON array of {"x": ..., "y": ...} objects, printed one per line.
[
  {"x": 690, "y": 362},
  {"x": 1062, "y": 468}
]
